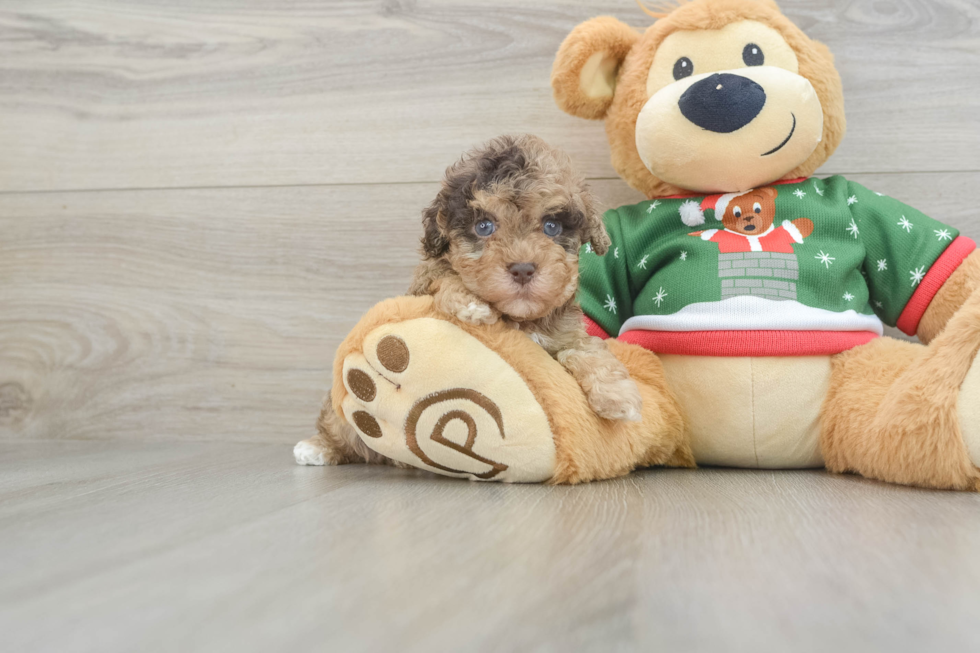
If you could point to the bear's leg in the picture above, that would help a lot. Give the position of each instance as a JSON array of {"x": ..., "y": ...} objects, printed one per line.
[
  {"x": 894, "y": 409},
  {"x": 487, "y": 403}
]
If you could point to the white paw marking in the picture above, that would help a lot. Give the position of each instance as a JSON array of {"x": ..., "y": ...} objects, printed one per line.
[
  {"x": 477, "y": 313},
  {"x": 308, "y": 454}
]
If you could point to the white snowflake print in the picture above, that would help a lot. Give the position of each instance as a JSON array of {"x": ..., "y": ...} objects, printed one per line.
[
  {"x": 642, "y": 265},
  {"x": 610, "y": 304},
  {"x": 799, "y": 192},
  {"x": 817, "y": 188},
  {"x": 683, "y": 256},
  {"x": 848, "y": 297},
  {"x": 882, "y": 265},
  {"x": 852, "y": 200},
  {"x": 616, "y": 253},
  {"x": 905, "y": 224},
  {"x": 916, "y": 275},
  {"x": 655, "y": 204},
  {"x": 880, "y": 194},
  {"x": 853, "y": 229},
  {"x": 943, "y": 234},
  {"x": 826, "y": 259},
  {"x": 588, "y": 248},
  {"x": 878, "y": 304},
  {"x": 660, "y": 296}
]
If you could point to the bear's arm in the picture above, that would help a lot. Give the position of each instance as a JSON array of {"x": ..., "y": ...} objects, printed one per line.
[
  {"x": 908, "y": 258},
  {"x": 951, "y": 295}
]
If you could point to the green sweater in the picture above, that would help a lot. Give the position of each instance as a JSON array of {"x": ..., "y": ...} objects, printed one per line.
[{"x": 675, "y": 269}]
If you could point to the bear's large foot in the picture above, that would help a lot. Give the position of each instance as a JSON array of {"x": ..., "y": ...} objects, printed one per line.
[{"x": 426, "y": 393}]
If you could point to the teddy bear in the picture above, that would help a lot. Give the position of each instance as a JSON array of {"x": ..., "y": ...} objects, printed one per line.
[{"x": 745, "y": 297}]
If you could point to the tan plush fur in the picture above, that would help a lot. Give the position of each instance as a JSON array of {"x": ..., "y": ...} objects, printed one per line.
[
  {"x": 816, "y": 64},
  {"x": 588, "y": 448},
  {"x": 891, "y": 411},
  {"x": 960, "y": 285}
]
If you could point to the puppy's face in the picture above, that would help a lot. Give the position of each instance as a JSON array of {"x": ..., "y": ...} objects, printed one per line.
[{"x": 510, "y": 222}]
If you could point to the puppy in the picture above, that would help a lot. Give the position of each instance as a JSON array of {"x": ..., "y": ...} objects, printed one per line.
[{"x": 501, "y": 242}]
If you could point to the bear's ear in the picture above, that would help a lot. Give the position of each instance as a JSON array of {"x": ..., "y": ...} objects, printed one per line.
[
  {"x": 769, "y": 192},
  {"x": 584, "y": 74}
]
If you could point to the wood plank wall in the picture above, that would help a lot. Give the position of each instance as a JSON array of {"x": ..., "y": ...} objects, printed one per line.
[{"x": 198, "y": 198}]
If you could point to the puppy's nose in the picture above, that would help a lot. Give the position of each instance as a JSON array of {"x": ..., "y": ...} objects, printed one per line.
[
  {"x": 522, "y": 272},
  {"x": 722, "y": 103}
]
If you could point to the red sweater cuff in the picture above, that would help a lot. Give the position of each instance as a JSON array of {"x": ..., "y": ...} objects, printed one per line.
[
  {"x": 594, "y": 329},
  {"x": 941, "y": 270}
]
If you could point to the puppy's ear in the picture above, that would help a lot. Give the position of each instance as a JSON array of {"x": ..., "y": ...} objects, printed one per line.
[
  {"x": 583, "y": 77},
  {"x": 595, "y": 228},
  {"x": 435, "y": 241}
]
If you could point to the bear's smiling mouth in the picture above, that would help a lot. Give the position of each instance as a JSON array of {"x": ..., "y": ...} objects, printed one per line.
[{"x": 781, "y": 145}]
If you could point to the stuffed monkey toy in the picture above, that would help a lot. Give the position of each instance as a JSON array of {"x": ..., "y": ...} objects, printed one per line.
[{"x": 745, "y": 297}]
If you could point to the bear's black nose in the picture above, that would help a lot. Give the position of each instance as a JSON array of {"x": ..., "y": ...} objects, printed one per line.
[{"x": 722, "y": 102}]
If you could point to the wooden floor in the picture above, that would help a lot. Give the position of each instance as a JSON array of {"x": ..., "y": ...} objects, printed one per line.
[
  {"x": 230, "y": 547},
  {"x": 199, "y": 198}
]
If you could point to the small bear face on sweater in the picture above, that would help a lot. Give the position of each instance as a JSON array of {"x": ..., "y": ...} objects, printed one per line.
[{"x": 752, "y": 213}]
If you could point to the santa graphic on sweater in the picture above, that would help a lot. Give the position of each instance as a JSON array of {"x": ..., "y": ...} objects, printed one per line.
[{"x": 749, "y": 223}]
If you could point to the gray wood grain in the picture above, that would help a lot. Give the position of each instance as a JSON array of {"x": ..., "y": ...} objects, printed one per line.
[
  {"x": 160, "y": 349},
  {"x": 188, "y": 93},
  {"x": 214, "y": 314},
  {"x": 231, "y": 547}
]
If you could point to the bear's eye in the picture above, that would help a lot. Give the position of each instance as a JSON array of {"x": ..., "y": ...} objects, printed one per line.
[
  {"x": 683, "y": 68},
  {"x": 552, "y": 228},
  {"x": 484, "y": 228},
  {"x": 757, "y": 207},
  {"x": 737, "y": 212},
  {"x": 752, "y": 55}
]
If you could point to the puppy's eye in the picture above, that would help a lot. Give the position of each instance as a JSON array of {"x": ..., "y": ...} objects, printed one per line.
[
  {"x": 752, "y": 55},
  {"x": 757, "y": 207},
  {"x": 552, "y": 228},
  {"x": 484, "y": 228},
  {"x": 737, "y": 212},
  {"x": 683, "y": 68}
]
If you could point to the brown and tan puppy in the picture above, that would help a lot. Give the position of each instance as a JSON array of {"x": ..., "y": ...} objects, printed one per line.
[{"x": 501, "y": 242}]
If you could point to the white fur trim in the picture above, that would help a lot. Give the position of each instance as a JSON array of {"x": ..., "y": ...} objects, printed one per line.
[
  {"x": 691, "y": 213},
  {"x": 793, "y": 231},
  {"x": 723, "y": 203},
  {"x": 745, "y": 313},
  {"x": 709, "y": 234}
]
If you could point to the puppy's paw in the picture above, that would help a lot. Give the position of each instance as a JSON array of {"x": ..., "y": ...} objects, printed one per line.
[
  {"x": 314, "y": 451},
  {"x": 617, "y": 400},
  {"x": 477, "y": 313}
]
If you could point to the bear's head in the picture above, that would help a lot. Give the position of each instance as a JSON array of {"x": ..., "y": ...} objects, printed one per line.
[{"x": 718, "y": 96}]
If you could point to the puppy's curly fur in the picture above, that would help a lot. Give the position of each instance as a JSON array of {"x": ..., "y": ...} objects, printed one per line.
[{"x": 501, "y": 242}]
